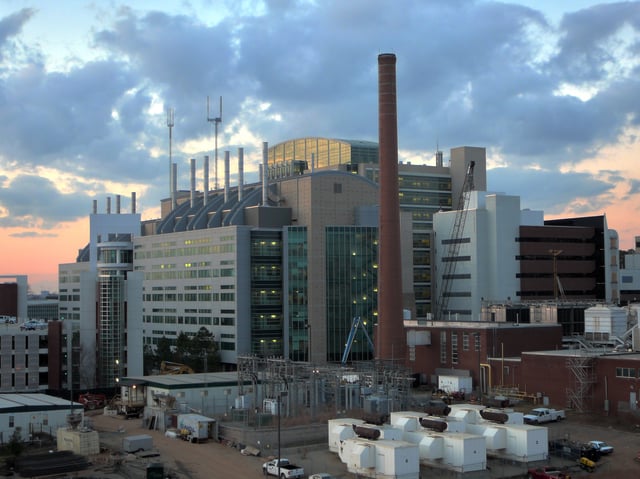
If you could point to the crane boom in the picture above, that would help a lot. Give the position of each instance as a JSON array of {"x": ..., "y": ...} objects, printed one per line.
[
  {"x": 356, "y": 324},
  {"x": 454, "y": 240}
]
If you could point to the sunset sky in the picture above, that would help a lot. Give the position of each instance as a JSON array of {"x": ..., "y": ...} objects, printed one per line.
[{"x": 552, "y": 92}]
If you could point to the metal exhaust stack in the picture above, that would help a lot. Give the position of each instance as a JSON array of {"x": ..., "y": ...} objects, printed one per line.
[
  {"x": 390, "y": 335},
  {"x": 226, "y": 176},
  {"x": 240, "y": 173},
  {"x": 265, "y": 173}
]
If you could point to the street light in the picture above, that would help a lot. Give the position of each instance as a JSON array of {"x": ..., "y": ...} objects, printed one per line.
[{"x": 281, "y": 394}]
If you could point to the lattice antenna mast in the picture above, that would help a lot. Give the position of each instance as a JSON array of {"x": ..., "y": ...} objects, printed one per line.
[
  {"x": 216, "y": 121},
  {"x": 170, "y": 123}
]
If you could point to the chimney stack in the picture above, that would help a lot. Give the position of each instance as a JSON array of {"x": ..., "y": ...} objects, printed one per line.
[
  {"x": 390, "y": 335},
  {"x": 95, "y": 207},
  {"x": 108, "y": 205},
  {"x": 133, "y": 202},
  {"x": 117, "y": 204}
]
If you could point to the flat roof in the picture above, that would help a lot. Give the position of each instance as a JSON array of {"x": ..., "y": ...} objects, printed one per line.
[
  {"x": 185, "y": 381},
  {"x": 16, "y": 402},
  {"x": 587, "y": 353}
]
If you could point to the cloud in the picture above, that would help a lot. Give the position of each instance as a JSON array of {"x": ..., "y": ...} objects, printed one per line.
[
  {"x": 552, "y": 191},
  {"x": 469, "y": 72},
  {"x": 34, "y": 202}
]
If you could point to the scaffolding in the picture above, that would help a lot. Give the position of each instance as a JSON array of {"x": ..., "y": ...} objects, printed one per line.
[{"x": 582, "y": 369}]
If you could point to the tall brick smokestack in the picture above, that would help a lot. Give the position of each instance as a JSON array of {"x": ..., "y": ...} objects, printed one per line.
[{"x": 390, "y": 335}]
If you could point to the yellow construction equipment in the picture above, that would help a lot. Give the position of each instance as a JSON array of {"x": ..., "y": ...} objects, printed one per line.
[{"x": 167, "y": 367}]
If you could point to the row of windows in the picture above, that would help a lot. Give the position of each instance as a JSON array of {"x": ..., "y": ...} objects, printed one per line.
[
  {"x": 193, "y": 320},
  {"x": 188, "y": 251},
  {"x": 42, "y": 341},
  {"x": 627, "y": 373},
  {"x": 189, "y": 297},
  {"x": 23, "y": 361},
  {"x": 188, "y": 274}
]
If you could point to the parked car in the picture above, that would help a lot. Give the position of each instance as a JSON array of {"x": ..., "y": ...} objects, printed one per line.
[
  {"x": 601, "y": 446},
  {"x": 32, "y": 325},
  {"x": 8, "y": 320}
]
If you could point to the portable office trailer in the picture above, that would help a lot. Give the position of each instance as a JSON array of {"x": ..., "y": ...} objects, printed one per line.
[{"x": 452, "y": 384}]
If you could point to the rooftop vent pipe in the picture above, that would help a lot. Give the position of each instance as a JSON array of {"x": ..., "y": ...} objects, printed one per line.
[
  {"x": 240, "y": 173},
  {"x": 265, "y": 172}
]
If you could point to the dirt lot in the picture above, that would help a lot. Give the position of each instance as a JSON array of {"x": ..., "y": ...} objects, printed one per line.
[{"x": 183, "y": 460}]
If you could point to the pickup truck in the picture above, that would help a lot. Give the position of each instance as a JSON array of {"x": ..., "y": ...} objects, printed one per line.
[
  {"x": 547, "y": 472},
  {"x": 542, "y": 414},
  {"x": 285, "y": 470}
]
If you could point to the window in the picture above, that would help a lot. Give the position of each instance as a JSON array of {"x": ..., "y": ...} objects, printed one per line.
[
  {"x": 443, "y": 347},
  {"x": 11, "y": 421},
  {"x": 465, "y": 341},
  {"x": 626, "y": 372},
  {"x": 454, "y": 348}
]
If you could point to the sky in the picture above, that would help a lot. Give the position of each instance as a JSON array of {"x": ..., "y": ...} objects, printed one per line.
[{"x": 550, "y": 88}]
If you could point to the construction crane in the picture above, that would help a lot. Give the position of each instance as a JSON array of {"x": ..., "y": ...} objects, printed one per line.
[
  {"x": 454, "y": 241},
  {"x": 356, "y": 324}
]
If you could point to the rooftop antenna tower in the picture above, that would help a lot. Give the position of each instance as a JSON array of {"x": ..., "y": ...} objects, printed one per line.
[
  {"x": 216, "y": 121},
  {"x": 170, "y": 123}
]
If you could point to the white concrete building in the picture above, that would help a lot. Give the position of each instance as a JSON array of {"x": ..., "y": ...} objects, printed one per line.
[{"x": 486, "y": 264}]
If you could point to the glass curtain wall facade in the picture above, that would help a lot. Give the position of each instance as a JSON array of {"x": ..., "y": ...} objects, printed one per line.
[
  {"x": 115, "y": 258},
  {"x": 266, "y": 293},
  {"x": 352, "y": 278},
  {"x": 298, "y": 314},
  {"x": 111, "y": 340},
  {"x": 423, "y": 195},
  {"x": 327, "y": 152}
]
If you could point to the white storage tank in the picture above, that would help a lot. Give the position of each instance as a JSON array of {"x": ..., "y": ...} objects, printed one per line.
[
  {"x": 527, "y": 443},
  {"x": 464, "y": 452}
]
